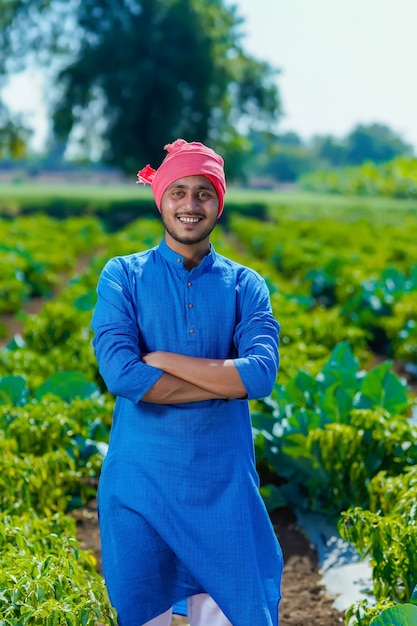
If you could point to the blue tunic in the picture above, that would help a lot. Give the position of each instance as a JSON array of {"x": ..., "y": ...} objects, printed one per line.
[{"x": 179, "y": 507}]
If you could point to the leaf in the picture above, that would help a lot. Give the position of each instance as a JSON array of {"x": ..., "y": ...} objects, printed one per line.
[
  {"x": 300, "y": 390},
  {"x": 393, "y": 281},
  {"x": 261, "y": 423},
  {"x": 413, "y": 278},
  {"x": 272, "y": 497},
  {"x": 13, "y": 390},
  {"x": 303, "y": 421},
  {"x": 98, "y": 431},
  {"x": 87, "y": 301},
  {"x": 336, "y": 403},
  {"x": 88, "y": 447},
  {"x": 40, "y": 593},
  {"x": 382, "y": 388},
  {"x": 399, "y": 615},
  {"x": 342, "y": 367},
  {"x": 395, "y": 400},
  {"x": 16, "y": 343},
  {"x": 67, "y": 386}
]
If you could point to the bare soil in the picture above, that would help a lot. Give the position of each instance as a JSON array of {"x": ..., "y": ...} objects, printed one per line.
[{"x": 304, "y": 599}]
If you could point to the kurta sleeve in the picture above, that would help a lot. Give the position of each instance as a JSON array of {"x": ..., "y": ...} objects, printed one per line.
[
  {"x": 256, "y": 338},
  {"x": 117, "y": 337}
]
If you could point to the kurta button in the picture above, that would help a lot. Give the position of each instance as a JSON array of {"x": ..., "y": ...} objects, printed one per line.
[
  {"x": 191, "y": 331},
  {"x": 189, "y": 284},
  {"x": 179, "y": 260},
  {"x": 190, "y": 306}
]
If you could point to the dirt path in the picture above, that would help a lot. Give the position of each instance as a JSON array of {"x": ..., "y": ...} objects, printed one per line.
[{"x": 304, "y": 599}]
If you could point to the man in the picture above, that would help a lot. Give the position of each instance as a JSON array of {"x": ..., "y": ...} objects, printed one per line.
[{"x": 184, "y": 337}]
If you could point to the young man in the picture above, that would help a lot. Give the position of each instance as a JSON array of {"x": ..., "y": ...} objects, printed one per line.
[{"x": 184, "y": 337}]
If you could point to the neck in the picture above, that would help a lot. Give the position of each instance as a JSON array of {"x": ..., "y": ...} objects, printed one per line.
[{"x": 193, "y": 253}]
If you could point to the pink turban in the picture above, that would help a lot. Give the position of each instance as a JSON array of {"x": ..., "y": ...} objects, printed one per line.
[{"x": 185, "y": 159}]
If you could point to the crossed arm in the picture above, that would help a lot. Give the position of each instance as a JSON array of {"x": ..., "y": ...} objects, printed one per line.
[
  {"x": 192, "y": 379},
  {"x": 162, "y": 377}
]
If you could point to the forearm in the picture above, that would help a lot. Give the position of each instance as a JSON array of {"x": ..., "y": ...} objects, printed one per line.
[
  {"x": 217, "y": 376},
  {"x": 170, "y": 389}
]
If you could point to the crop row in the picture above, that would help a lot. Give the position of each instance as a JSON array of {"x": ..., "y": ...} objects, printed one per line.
[
  {"x": 354, "y": 280},
  {"x": 35, "y": 251},
  {"x": 337, "y": 437},
  {"x": 54, "y": 428}
]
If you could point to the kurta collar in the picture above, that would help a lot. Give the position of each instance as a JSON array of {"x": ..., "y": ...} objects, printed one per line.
[{"x": 178, "y": 260}]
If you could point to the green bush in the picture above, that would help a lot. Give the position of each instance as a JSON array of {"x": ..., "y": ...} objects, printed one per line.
[
  {"x": 45, "y": 578},
  {"x": 395, "y": 179},
  {"x": 327, "y": 436}
]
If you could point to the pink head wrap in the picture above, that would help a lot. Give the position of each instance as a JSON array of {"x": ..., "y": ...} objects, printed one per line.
[{"x": 185, "y": 159}]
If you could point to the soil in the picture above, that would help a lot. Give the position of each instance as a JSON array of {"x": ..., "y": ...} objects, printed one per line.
[{"x": 304, "y": 599}]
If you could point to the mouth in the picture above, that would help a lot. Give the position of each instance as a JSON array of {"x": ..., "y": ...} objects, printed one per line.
[{"x": 184, "y": 219}]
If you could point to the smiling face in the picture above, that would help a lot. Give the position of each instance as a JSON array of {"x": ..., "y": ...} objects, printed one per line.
[{"x": 189, "y": 209}]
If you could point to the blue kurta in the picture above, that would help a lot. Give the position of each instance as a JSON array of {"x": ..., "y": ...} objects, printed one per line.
[{"x": 179, "y": 507}]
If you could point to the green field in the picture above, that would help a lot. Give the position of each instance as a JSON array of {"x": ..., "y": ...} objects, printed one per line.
[
  {"x": 17, "y": 196},
  {"x": 334, "y": 437}
]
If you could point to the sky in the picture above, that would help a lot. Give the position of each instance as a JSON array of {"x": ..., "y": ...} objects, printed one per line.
[{"x": 340, "y": 62}]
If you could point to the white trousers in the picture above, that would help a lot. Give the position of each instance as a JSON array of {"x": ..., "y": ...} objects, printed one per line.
[{"x": 202, "y": 611}]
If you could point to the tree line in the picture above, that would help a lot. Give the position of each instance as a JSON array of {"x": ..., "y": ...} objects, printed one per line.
[
  {"x": 285, "y": 157},
  {"x": 128, "y": 76}
]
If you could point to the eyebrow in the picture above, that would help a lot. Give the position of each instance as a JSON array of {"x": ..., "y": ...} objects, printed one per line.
[{"x": 199, "y": 187}]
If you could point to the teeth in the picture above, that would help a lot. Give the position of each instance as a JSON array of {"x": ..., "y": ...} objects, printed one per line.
[{"x": 189, "y": 220}]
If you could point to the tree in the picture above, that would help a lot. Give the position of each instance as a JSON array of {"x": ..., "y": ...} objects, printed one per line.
[
  {"x": 132, "y": 75},
  {"x": 374, "y": 142},
  {"x": 290, "y": 138},
  {"x": 13, "y": 135},
  {"x": 329, "y": 151},
  {"x": 287, "y": 163},
  {"x": 279, "y": 158}
]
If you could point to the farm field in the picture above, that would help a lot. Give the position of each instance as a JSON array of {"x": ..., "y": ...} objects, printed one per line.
[
  {"x": 15, "y": 195},
  {"x": 336, "y": 436}
]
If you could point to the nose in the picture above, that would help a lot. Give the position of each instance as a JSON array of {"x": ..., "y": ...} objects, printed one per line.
[{"x": 192, "y": 201}]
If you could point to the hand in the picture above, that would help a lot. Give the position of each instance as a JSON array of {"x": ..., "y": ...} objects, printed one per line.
[{"x": 150, "y": 358}]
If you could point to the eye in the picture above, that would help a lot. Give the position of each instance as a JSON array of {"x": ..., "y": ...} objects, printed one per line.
[{"x": 205, "y": 195}]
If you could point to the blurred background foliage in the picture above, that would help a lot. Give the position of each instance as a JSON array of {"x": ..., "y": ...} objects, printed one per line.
[
  {"x": 131, "y": 76},
  {"x": 125, "y": 77}
]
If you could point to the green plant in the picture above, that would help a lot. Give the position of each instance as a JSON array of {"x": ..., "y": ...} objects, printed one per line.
[
  {"x": 372, "y": 308},
  {"x": 387, "y": 532},
  {"x": 397, "y": 179},
  {"x": 61, "y": 430},
  {"x": 42, "y": 483},
  {"x": 390, "y": 542},
  {"x": 45, "y": 578},
  {"x": 36, "y": 251},
  {"x": 399, "y": 615},
  {"x": 328, "y": 435}
]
